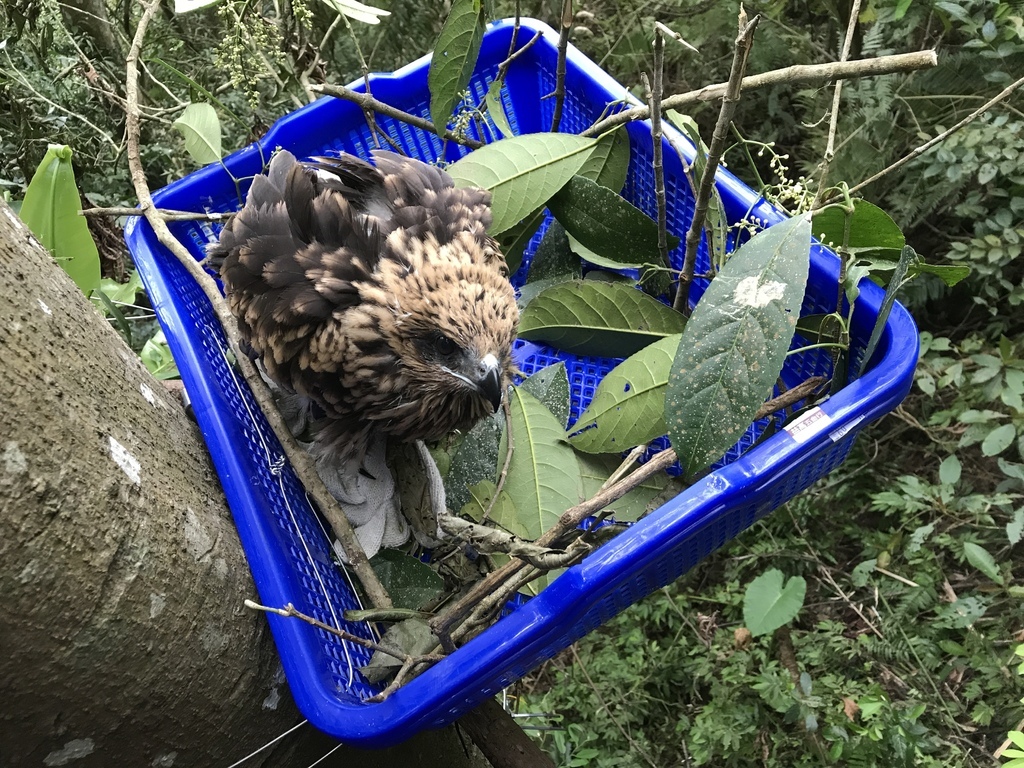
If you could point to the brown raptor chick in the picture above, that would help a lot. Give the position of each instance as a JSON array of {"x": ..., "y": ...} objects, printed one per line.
[{"x": 375, "y": 292}]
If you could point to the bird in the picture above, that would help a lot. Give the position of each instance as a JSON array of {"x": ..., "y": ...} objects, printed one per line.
[{"x": 374, "y": 293}]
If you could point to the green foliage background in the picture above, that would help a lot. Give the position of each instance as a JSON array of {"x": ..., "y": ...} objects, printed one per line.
[{"x": 903, "y": 652}]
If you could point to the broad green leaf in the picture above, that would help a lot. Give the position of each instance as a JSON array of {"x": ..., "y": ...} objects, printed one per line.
[
  {"x": 496, "y": 109},
  {"x": 513, "y": 241},
  {"x": 553, "y": 258},
  {"x": 609, "y": 163},
  {"x": 949, "y": 274},
  {"x": 606, "y": 223},
  {"x": 454, "y": 58},
  {"x": 543, "y": 476},
  {"x": 980, "y": 558},
  {"x": 1015, "y": 528},
  {"x": 200, "y": 127},
  {"x": 409, "y": 582},
  {"x": 50, "y": 210},
  {"x": 768, "y": 604},
  {"x": 735, "y": 343},
  {"x": 596, "y": 318},
  {"x": 522, "y": 173},
  {"x": 629, "y": 405},
  {"x": 949, "y": 470},
  {"x": 595, "y": 258},
  {"x": 474, "y": 460},
  {"x": 504, "y": 509},
  {"x": 550, "y": 385},
  {"x": 157, "y": 358},
  {"x": 647, "y": 496},
  {"x": 998, "y": 440},
  {"x": 411, "y": 637},
  {"x": 122, "y": 293},
  {"x": 871, "y": 230}
]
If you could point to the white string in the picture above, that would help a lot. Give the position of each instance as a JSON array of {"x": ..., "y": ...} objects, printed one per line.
[
  {"x": 338, "y": 746},
  {"x": 276, "y": 467},
  {"x": 270, "y": 743}
]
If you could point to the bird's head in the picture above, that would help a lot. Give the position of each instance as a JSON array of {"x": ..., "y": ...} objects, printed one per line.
[{"x": 452, "y": 321}]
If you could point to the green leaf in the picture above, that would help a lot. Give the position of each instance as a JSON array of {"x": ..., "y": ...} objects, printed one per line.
[
  {"x": 872, "y": 230},
  {"x": 949, "y": 470},
  {"x": 409, "y": 582},
  {"x": 496, "y": 109},
  {"x": 609, "y": 162},
  {"x": 543, "y": 476},
  {"x": 454, "y": 58},
  {"x": 553, "y": 258},
  {"x": 998, "y": 440},
  {"x": 503, "y": 511},
  {"x": 1015, "y": 528},
  {"x": 157, "y": 358},
  {"x": 588, "y": 317},
  {"x": 716, "y": 224},
  {"x": 357, "y": 11},
  {"x": 647, "y": 496},
  {"x": 522, "y": 173},
  {"x": 980, "y": 558},
  {"x": 122, "y": 293},
  {"x": 768, "y": 604},
  {"x": 513, "y": 241},
  {"x": 50, "y": 210},
  {"x": 629, "y": 405},
  {"x": 607, "y": 224},
  {"x": 200, "y": 127},
  {"x": 735, "y": 343},
  {"x": 949, "y": 274},
  {"x": 550, "y": 385},
  {"x": 895, "y": 283},
  {"x": 475, "y": 459}
]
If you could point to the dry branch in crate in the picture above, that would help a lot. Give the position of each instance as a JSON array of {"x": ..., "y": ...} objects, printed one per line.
[
  {"x": 163, "y": 213},
  {"x": 744, "y": 42},
  {"x": 654, "y": 97},
  {"x": 563, "y": 48},
  {"x": 300, "y": 460}
]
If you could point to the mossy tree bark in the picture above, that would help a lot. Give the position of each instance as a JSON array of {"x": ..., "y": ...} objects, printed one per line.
[{"x": 123, "y": 633}]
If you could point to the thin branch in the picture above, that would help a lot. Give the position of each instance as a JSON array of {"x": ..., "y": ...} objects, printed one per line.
[
  {"x": 510, "y": 446},
  {"x": 164, "y": 213},
  {"x": 830, "y": 147},
  {"x": 811, "y": 74},
  {"x": 368, "y": 102},
  {"x": 790, "y": 397},
  {"x": 942, "y": 136},
  {"x": 654, "y": 97},
  {"x": 301, "y": 461},
  {"x": 563, "y": 49},
  {"x": 744, "y": 42},
  {"x": 666, "y": 30},
  {"x": 513, "y": 54}
]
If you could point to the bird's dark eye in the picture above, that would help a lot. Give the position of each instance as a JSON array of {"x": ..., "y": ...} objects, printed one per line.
[{"x": 445, "y": 346}]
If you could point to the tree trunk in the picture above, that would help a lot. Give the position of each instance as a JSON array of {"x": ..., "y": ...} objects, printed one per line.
[
  {"x": 123, "y": 638},
  {"x": 91, "y": 19}
]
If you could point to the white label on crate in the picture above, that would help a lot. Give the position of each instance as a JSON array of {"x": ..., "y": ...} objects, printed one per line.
[
  {"x": 812, "y": 423},
  {"x": 843, "y": 431}
]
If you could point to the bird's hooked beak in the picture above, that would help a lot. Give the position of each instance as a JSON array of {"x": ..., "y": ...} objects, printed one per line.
[{"x": 488, "y": 381}]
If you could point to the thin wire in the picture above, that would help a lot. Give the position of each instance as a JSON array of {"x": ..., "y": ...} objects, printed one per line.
[
  {"x": 338, "y": 746},
  {"x": 270, "y": 743},
  {"x": 276, "y": 467}
]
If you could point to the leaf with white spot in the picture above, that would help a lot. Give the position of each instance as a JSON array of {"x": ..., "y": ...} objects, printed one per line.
[
  {"x": 735, "y": 343},
  {"x": 200, "y": 126}
]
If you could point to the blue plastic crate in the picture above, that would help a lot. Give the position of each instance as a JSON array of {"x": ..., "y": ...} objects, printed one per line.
[{"x": 285, "y": 542}]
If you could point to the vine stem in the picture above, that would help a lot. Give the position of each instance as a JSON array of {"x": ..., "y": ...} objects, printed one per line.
[{"x": 300, "y": 460}]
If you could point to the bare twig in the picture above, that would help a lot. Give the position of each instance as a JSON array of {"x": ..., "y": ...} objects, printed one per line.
[
  {"x": 830, "y": 147},
  {"x": 812, "y": 74},
  {"x": 300, "y": 459},
  {"x": 744, "y": 41},
  {"x": 164, "y": 213},
  {"x": 790, "y": 396},
  {"x": 942, "y": 136},
  {"x": 514, "y": 54},
  {"x": 666, "y": 30},
  {"x": 368, "y": 102},
  {"x": 563, "y": 48},
  {"x": 654, "y": 97}
]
